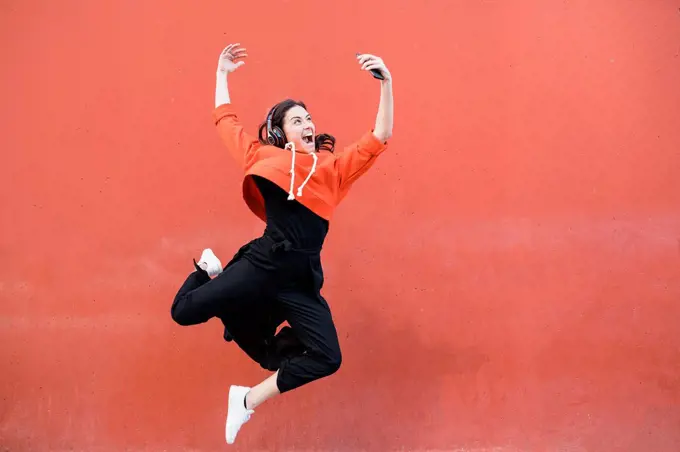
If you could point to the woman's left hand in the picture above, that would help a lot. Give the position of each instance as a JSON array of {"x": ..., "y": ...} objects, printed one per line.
[{"x": 369, "y": 62}]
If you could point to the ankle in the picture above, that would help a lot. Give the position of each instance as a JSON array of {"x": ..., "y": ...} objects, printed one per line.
[{"x": 246, "y": 402}]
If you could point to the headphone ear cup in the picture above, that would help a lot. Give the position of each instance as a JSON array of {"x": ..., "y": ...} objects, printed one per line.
[
  {"x": 273, "y": 137},
  {"x": 277, "y": 137}
]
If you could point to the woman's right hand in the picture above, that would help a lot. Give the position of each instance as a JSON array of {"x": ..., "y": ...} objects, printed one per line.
[{"x": 227, "y": 62}]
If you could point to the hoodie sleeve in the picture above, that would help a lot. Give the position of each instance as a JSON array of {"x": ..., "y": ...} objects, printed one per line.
[
  {"x": 358, "y": 158},
  {"x": 230, "y": 130}
]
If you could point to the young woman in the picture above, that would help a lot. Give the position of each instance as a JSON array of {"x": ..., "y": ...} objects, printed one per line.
[{"x": 293, "y": 181}]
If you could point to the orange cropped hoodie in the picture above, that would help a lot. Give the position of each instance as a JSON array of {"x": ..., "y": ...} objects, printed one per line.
[{"x": 317, "y": 180}]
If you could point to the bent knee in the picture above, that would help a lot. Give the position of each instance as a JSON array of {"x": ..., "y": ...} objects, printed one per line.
[
  {"x": 180, "y": 317},
  {"x": 333, "y": 361}
]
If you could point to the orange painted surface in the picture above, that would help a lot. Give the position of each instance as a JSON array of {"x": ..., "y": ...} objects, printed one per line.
[{"x": 506, "y": 278}]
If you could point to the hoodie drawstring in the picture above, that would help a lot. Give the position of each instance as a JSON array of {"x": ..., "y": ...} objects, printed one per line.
[{"x": 291, "y": 196}]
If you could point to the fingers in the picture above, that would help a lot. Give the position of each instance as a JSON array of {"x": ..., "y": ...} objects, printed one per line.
[
  {"x": 228, "y": 58},
  {"x": 228, "y": 48},
  {"x": 241, "y": 53},
  {"x": 363, "y": 57},
  {"x": 378, "y": 66},
  {"x": 369, "y": 62},
  {"x": 233, "y": 51},
  {"x": 373, "y": 64}
]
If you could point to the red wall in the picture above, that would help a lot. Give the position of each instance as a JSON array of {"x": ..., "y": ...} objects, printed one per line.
[{"x": 506, "y": 277}]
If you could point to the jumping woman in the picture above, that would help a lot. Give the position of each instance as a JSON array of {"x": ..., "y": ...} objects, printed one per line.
[{"x": 293, "y": 181}]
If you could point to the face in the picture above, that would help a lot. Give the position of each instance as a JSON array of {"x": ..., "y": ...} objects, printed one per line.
[{"x": 299, "y": 128}]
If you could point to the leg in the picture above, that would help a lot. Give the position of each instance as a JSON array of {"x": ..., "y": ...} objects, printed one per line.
[
  {"x": 286, "y": 344},
  {"x": 242, "y": 402},
  {"x": 310, "y": 317},
  {"x": 253, "y": 326},
  {"x": 311, "y": 321},
  {"x": 263, "y": 392},
  {"x": 200, "y": 298},
  {"x": 193, "y": 282},
  {"x": 253, "y": 331}
]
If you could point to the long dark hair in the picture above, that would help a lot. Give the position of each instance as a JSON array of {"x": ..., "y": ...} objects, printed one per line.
[{"x": 322, "y": 141}]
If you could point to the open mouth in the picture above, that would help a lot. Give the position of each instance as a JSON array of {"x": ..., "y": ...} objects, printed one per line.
[{"x": 308, "y": 138}]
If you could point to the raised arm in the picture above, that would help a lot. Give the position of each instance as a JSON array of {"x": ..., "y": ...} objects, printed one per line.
[
  {"x": 384, "y": 120},
  {"x": 241, "y": 145},
  {"x": 360, "y": 156}
]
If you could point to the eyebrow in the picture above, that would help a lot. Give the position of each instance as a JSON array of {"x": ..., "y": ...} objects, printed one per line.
[{"x": 298, "y": 117}]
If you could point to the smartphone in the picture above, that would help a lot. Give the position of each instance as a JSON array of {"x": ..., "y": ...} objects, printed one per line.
[{"x": 376, "y": 73}]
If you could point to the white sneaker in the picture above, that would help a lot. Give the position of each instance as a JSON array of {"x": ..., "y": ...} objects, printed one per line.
[
  {"x": 213, "y": 264},
  {"x": 237, "y": 414}
]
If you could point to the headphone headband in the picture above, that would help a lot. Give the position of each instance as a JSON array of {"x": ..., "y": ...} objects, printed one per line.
[{"x": 269, "y": 120}]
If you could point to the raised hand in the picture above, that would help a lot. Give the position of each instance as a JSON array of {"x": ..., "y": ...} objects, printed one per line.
[
  {"x": 227, "y": 62},
  {"x": 369, "y": 62}
]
